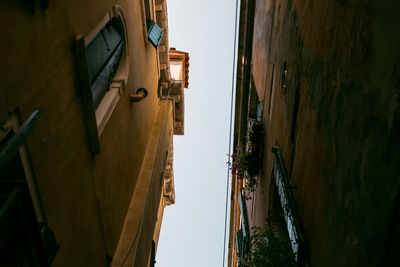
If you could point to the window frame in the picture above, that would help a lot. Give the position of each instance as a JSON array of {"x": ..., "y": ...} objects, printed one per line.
[
  {"x": 96, "y": 118},
  {"x": 150, "y": 24},
  {"x": 25, "y": 192},
  {"x": 148, "y": 14}
]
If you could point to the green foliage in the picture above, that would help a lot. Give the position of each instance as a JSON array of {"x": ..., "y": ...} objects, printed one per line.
[
  {"x": 255, "y": 149},
  {"x": 268, "y": 250},
  {"x": 246, "y": 165},
  {"x": 250, "y": 186},
  {"x": 240, "y": 161}
]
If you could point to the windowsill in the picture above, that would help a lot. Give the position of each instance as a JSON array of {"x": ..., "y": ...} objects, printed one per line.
[{"x": 106, "y": 107}]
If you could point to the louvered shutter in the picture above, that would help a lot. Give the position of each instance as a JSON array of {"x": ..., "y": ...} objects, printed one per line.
[
  {"x": 239, "y": 243},
  {"x": 154, "y": 33},
  {"x": 243, "y": 213}
]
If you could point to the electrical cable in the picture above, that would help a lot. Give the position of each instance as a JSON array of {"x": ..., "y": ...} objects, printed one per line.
[{"x": 230, "y": 128}]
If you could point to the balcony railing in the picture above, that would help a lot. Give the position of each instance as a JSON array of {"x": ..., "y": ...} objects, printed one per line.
[{"x": 288, "y": 204}]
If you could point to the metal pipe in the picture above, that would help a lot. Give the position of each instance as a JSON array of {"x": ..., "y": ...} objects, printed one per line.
[{"x": 141, "y": 94}]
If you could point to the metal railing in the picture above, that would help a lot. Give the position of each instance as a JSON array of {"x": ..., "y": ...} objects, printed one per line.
[{"x": 288, "y": 204}]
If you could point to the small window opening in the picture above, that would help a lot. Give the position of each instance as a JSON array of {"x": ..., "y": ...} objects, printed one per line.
[{"x": 295, "y": 114}]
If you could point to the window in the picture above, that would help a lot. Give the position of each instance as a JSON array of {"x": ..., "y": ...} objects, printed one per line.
[
  {"x": 176, "y": 68},
  {"x": 153, "y": 32},
  {"x": 103, "y": 71},
  {"x": 148, "y": 14},
  {"x": 26, "y": 238},
  {"x": 179, "y": 66},
  {"x": 103, "y": 55},
  {"x": 243, "y": 234}
]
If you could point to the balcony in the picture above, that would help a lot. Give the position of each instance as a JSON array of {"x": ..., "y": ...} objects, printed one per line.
[{"x": 288, "y": 204}]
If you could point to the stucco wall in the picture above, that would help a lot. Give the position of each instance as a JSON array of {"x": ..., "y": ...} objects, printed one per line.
[{"x": 85, "y": 198}]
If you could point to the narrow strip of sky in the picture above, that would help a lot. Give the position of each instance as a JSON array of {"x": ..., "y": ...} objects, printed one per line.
[
  {"x": 192, "y": 233},
  {"x": 231, "y": 127}
]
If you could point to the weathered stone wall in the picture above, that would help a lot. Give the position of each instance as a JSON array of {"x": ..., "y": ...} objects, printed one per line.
[{"x": 341, "y": 145}]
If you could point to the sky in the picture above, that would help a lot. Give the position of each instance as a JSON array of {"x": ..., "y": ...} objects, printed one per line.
[{"x": 192, "y": 231}]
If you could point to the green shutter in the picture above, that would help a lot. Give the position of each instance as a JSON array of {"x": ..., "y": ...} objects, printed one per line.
[
  {"x": 154, "y": 33},
  {"x": 240, "y": 243},
  {"x": 245, "y": 225},
  {"x": 243, "y": 213}
]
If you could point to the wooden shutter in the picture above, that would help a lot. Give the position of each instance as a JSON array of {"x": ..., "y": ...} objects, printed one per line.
[
  {"x": 103, "y": 54},
  {"x": 18, "y": 139}
]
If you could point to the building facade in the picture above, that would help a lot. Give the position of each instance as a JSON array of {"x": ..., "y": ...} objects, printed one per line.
[
  {"x": 86, "y": 132},
  {"x": 324, "y": 77}
]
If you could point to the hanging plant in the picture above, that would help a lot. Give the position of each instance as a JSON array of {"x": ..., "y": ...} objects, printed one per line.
[
  {"x": 247, "y": 165},
  {"x": 240, "y": 163},
  {"x": 267, "y": 250}
]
